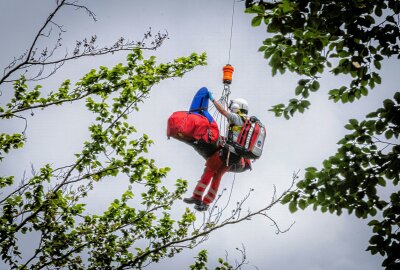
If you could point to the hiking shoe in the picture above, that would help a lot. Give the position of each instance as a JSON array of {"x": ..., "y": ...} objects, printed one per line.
[
  {"x": 202, "y": 207},
  {"x": 192, "y": 200}
]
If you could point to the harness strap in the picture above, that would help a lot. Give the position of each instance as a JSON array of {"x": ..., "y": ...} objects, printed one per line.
[
  {"x": 227, "y": 158},
  {"x": 198, "y": 109},
  {"x": 235, "y": 128}
]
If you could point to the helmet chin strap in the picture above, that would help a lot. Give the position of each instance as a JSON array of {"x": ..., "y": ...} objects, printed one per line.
[{"x": 234, "y": 107}]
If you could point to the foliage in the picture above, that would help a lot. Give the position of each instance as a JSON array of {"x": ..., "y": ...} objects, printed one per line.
[
  {"x": 366, "y": 161},
  {"x": 137, "y": 229},
  {"x": 49, "y": 207},
  {"x": 349, "y": 38},
  {"x": 201, "y": 262},
  {"x": 49, "y": 203},
  {"x": 202, "y": 258}
]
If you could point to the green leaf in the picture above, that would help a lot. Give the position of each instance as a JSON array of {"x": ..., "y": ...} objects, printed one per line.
[
  {"x": 364, "y": 91},
  {"x": 256, "y": 21},
  {"x": 349, "y": 126},
  {"x": 391, "y": 19},
  {"x": 256, "y": 9},
  {"x": 353, "y": 122},
  {"x": 376, "y": 78},
  {"x": 286, "y": 6},
  {"x": 373, "y": 222},
  {"x": 315, "y": 86},
  {"x": 287, "y": 198},
  {"x": 305, "y": 93},
  {"x": 313, "y": 70},
  {"x": 359, "y": 212},
  {"x": 388, "y": 134},
  {"x": 380, "y": 126},
  {"x": 321, "y": 197},
  {"x": 305, "y": 103},
  {"x": 397, "y": 97},
  {"x": 381, "y": 181},
  {"x": 378, "y": 11},
  {"x": 302, "y": 204},
  {"x": 303, "y": 81},
  {"x": 262, "y": 48},
  {"x": 327, "y": 164},
  {"x": 345, "y": 97},
  {"x": 299, "y": 89},
  {"x": 388, "y": 104},
  {"x": 298, "y": 59},
  {"x": 293, "y": 206}
]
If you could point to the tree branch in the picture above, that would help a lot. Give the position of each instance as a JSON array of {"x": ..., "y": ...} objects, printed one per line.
[{"x": 206, "y": 232}]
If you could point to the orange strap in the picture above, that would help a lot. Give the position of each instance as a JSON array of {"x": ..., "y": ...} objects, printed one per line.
[{"x": 228, "y": 70}]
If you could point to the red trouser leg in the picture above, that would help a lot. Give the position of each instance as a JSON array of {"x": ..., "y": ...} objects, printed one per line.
[
  {"x": 212, "y": 191},
  {"x": 212, "y": 165},
  {"x": 203, "y": 183}
]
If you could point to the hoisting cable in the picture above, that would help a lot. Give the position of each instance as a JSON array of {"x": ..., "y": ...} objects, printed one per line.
[
  {"x": 230, "y": 39},
  {"x": 227, "y": 78}
]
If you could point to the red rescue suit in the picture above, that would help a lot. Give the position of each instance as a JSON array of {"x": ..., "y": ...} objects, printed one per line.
[{"x": 216, "y": 167}]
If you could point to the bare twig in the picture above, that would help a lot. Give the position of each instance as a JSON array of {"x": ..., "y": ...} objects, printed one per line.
[{"x": 83, "y": 48}]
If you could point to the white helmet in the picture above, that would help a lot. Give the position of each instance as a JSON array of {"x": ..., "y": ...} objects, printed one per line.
[{"x": 239, "y": 104}]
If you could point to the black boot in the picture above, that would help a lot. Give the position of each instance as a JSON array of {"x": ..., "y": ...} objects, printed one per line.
[
  {"x": 202, "y": 207},
  {"x": 192, "y": 200}
]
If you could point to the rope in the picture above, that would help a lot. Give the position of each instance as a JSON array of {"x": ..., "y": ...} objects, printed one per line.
[
  {"x": 224, "y": 99},
  {"x": 230, "y": 39}
]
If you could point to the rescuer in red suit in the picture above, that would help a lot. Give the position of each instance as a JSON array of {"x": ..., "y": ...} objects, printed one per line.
[{"x": 223, "y": 160}]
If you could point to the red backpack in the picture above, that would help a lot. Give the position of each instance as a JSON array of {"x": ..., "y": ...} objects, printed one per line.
[{"x": 250, "y": 141}]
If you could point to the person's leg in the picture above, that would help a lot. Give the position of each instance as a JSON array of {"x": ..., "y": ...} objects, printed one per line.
[
  {"x": 212, "y": 164},
  {"x": 203, "y": 183},
  {"x": 200, "y": 188},
  {"x": 216, "y": 180},
  {"x": 212, "y": 191}
]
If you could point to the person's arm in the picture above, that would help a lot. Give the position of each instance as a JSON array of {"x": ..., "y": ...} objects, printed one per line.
[
  {"x": 220, "y": 108},
  {"x": 218, "y": 105}
]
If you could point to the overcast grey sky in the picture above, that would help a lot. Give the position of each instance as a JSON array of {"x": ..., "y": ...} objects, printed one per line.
[{"x": 316, "y": 241}]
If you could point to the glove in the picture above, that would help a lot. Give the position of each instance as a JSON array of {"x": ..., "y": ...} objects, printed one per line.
[{"x": 210, "y": 96}]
